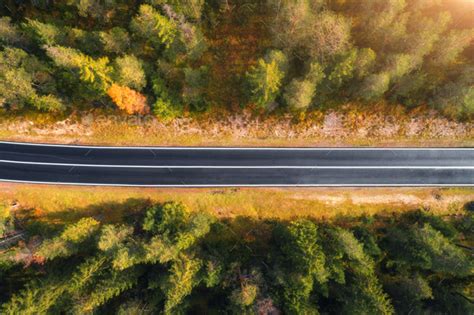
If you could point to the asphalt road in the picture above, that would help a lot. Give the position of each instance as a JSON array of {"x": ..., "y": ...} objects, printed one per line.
[{"x": 178, "y": 166}]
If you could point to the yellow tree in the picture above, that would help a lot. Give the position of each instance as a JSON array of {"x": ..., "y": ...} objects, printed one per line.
[{"x": 127, "y": 99}]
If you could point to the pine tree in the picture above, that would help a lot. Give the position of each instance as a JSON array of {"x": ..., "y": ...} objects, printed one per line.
[
  {"x": 150, "y": 25},
  {"x": 179, "y": 284},
  {"x": 94, "y": 72},
  {"x": 70, "y": 240}
]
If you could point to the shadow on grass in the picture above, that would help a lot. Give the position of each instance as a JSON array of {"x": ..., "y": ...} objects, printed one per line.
[
  {"x": 36, "y": 222},
  {"x": 131, "y": 211}
]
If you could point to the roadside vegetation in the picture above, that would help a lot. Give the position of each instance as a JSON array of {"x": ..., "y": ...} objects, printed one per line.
[
  {"x": 353, "y": 125},
  {"x": 298, "y": 60},
  {"x": 65, "y": 204},
  {"x": 167, "y": 258}
]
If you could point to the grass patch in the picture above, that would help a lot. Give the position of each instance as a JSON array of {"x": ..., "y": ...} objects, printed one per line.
[{"x": 60, "y": 204}]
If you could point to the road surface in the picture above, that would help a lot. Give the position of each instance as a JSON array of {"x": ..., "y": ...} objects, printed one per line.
[{"x": 202, "y": 167}]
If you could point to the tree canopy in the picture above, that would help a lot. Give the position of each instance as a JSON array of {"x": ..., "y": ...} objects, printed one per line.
[
  {"x": 195, "y": 55},
  {"x": 169, "y": 259}
]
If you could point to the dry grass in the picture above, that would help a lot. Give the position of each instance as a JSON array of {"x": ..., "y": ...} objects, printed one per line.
[
  {"x": 59, "y": 204},
  {"x": 379, "y": 125}
]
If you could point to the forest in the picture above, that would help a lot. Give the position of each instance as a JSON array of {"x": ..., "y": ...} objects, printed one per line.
[
  {"x": 165, "y": 259},
  {"x": 171, "y": 58}
]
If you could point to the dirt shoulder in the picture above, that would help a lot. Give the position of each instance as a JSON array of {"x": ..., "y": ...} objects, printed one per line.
[{"x": 351, "y": 126}]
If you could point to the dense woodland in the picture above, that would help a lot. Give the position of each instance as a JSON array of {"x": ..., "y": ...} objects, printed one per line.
[
  {"x": 167, "y": 260},
  {"x": 175, "y": 57}
]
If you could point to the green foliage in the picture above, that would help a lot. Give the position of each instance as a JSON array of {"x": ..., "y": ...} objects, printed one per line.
[
  {"x": 306, "y": 255},
  {"x": 70, "y": 240},
  {"x": 128, "y": 71},
  {"x": 112, "y": 236},
  {"x": 375, "y": 85},
  {"x": 6, "y": 220},
  {"x": 92, "y": 8},
  {"x": 409, "y": 52},
  {"x": 266, "y": 79},
  {"x": 165, "y": 106},
  {"x": 425, "y": 248},
  {"x": 296, "y": 292},
  {"x": 299, "y": 93},
  {"x": 22, "y": 79},
  {"x": 37, "y": 298},
  {"x": 111, "y": 286},
  {"x": 190, "y": 8},
  {"x": 44, "y": 33},
  {"x": 151, "y": 25},
  {"x": 86, "y": 272},
  {"x": 344, "y": 69},
  {"x": 166, "y": 219},
  {"x": 456, "y": 98},
  {"x": 95, "y": 72},
  {"x": 195, "y": 82},
  {"x": 408, "y": 292},
  {"x": 116, "y": 40},
  {"x": 179, "y": 284},
  {"x": 9, "y": 33},
  {"x": 244, "y": 297},
  {"x": 367, "y": 297},
  {"x": 301, "y": 28},
  {"x": 174, "y": 261},
  {"x": 16, "y": 89},
  {"x": 449, "y": 48},
  {"x": 49, "y": 103}
]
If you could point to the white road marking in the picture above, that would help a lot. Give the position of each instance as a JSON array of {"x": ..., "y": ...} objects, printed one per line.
[
  {"x": 235, "y": 148},
  {"x": 238, "y": 185},
  {"x": 235, "y": 166}
]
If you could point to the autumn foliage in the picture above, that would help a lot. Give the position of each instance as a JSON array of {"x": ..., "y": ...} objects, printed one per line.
[{"x": 129, "y": 100}]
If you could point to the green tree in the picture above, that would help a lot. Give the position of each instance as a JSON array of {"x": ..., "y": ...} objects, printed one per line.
[
  {"x": 9, "y": 33},
  {"x": 128, "y": 71},
  {"x": 448, "y": 49},
  {"x": 303, "y": 265},
  {"x": 375, "y": 85},
  {"x": 107, "y": 288},
  {"x": 116, "y": 40},
  {"x": 305, "y": 30},
  {"x": 44, "y": 33},
  {"x": 266, "y": 79},
  {"x": 195, "y": 83},
  {"x": 22, "y": 79},
  {"x": 182, "y": 279},
  {"x": 150, "y": 25},
  {"x": 94, "y": 72},
  {"x": 6, "y": 220},
  {"x": 408, "y": 292},
  {"x": 70, "y": 240},
  {"x": 456, "y": 97},
  {"x": 300, "y": 93},
  {"x": 424, "y": 248},
  {"x": 38, "y": 297}
]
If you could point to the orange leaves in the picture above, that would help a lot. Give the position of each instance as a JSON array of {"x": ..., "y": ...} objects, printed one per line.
[{"x": 129, "y": 100}]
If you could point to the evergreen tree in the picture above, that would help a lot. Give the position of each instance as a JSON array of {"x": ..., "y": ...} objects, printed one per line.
[{"x": 151, "y": 25}]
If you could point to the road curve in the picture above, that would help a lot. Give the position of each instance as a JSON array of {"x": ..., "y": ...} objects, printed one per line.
[{"x": 201, "y": 167}]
